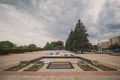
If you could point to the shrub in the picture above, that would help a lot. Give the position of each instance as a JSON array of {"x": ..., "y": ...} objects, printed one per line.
[
  {"x": 21, "y": 65},
  {"x": 87, "y": 67},
  {"x": 15, "y": 68},
  {"x": 17, "y": 50},
  {"x": 105, "y": 68},
  {"x": 34, "y": 67}
]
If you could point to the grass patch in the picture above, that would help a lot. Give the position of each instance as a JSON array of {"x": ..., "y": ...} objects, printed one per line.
[
  {"x": 15, "y": 68},
  {"x": 34, "y": 67},
  {"x": 87, "y": 67},
  {"x": 105, "y": 68}
]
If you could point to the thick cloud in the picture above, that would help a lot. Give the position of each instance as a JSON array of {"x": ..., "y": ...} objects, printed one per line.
[
  {"x": 109, "y": 19},
  {"x": 39, "y": 21}
]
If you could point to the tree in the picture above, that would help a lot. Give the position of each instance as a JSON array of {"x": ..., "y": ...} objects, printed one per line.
[
  {"x": 59, "y": 43},
  {"x": 94, "y": 47},
  {"x": 21, "y": 47},
  {"x": 69, "y": 41},
  {"x": 52, "y": 45},
  {"x": 77, "y": 40},
  {"x": 46, "y": 46},
  {"x": 32, "y": 46},
  {"x": 6, "y": 44}
]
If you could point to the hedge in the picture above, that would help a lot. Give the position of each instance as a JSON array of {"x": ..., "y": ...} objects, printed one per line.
[{"x": 7, "y": 51}]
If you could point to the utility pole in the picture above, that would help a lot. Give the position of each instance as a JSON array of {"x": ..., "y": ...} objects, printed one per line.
[{"x": 99, "y": 46}]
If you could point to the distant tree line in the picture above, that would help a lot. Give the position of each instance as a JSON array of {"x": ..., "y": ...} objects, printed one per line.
[
  {"x": 9, "y": 47},
  {"x": 53, "y": 45}
]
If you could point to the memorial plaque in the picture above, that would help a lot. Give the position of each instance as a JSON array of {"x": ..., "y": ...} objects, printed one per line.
[{"x": 60, "y": 65}]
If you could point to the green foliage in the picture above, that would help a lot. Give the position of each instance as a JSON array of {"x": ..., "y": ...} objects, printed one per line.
[
  {"x": 105, "y": 68},
  {"x": 77, "y": 40},
  {"x": 47, "y": 46},
  {"x": 6, "y": 44},
  {"x": 52, "y": 45},
  {"x": 69, "y": 41},
  {"x": 94, "y": 47},
  {"x": 87, "y": 67},
  {"x": 34, "y": 67},
  {"x": 17, "y": 50},
  {"x": 9, "y": 47},
  {"x": 16, "y": 68},
  {"x": 32, "y": 46}
]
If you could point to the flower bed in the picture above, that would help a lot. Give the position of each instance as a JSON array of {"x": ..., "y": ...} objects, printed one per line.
[
  {"x": 16, "y": 68},
  {"x": 60, "y": 65},
  {"x": 105, "y": 68},
  {"x": 21, "y": 65},
  {"x": 87, "y": 67},
  {"x": 34, "y": 67}
]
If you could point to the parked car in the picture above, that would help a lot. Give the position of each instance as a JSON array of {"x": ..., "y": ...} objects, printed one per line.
[{"x": 116, "y": 50}]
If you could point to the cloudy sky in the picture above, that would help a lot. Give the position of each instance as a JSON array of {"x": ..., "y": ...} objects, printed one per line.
[{"x": 41, "y": 21}]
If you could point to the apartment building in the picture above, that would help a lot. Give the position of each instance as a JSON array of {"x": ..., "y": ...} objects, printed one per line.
[
  {"x": 105, "y": 44},
  {"x": 112, "y": 41},
  {"x": 115, "y": 40}
]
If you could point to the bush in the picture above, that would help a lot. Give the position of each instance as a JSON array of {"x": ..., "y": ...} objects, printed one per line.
[
  {"x": 105, "y": 68},
  {"x": 34, "y": 67},
  {"x": 15, "y": 68},
  {"x": 87, "y": 67},
  {"x": 17, "y": 50}
]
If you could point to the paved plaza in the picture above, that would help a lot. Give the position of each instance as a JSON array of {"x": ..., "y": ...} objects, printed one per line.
[
  {"x": 58, "y": 74},
  {"x": 59, "y": 77}
]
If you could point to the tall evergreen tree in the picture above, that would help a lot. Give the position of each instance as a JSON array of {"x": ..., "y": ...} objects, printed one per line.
[
  {"x": 69, "y": 41},
  {"x": 77, "y": 40}
]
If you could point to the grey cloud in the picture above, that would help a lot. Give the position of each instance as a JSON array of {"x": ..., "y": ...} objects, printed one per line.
[
  {"x": 49, "y": 20},
  {"x": 109, "y": 19}
]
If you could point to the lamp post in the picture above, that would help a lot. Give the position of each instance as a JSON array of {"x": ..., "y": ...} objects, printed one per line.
[{"x": 99, "y": 46}]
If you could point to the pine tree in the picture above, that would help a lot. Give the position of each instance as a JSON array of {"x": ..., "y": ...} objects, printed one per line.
[
  {"x": 77, "y": 40},
  {"x": 69, "y": 41}
]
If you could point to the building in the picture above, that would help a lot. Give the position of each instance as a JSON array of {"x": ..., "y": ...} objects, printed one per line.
[
  {"x": 105, "y": 45},
  {"x": 115, "y": 40},
  {"x": 112, "y": 41}
]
